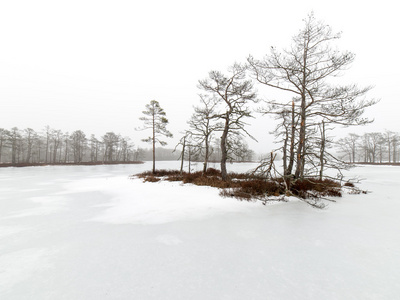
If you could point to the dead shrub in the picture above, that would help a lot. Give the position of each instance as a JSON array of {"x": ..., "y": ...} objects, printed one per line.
[
  {"x": 314, "y": 188},
  {"x": 144, "y": 174},
  {"x": 261, "y": 187},
  {"x": 212, "y": 172},
  {"x": 158, "y": 173},
  {"x": 151, "y": 178},
  {"x": 249, "y": 186},
  {"x": 235, "y": 193},
  {"x": 162, "y": 173},
  {"x": 239, "y": 176},
  {"x": 214, "y": 181},
  {"x": 333, "y": 192},
  {"x": 190, "y": 177},
  {"x": 174, "y": 178},
  {"x": 251, "y": 189}
]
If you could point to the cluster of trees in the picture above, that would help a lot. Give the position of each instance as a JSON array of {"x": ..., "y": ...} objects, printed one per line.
[
  {"x": 196, "y": 148},
  {"x": 313, "y": 107},
  {"x": 55, "y": 146},
  {"x": 372, "y": 147},
  {"x": 197, "y": 140},
  {"x": 224, "y": 106}
]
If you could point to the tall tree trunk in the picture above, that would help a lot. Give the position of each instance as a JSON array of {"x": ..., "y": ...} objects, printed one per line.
[
  {"x": 292, "y": 142},
  {"x": 183, "y": 154},
  {"x": 60, "y": 153},
  {"x": 394, "y": 152},
  {"x": 39, "y": 151},
  {"x": 29, "y": 150},
  {"x": 14, "y": 151},
  {"x": 284, "y": 150},
  {"x": 1, "y": 148},
  {"x": 302, "y": 137},
  {"x": 206, "y": 155},
  {"x": 154, "y": 145},
  {"x": 55, "y": 151},
  {"x": 224, "y": 150},
  {"x": 47, "y": 147},
  {"x": 322, "y": 152},
  {"x": 190, "y": 158},
  {"x": 96, "y": 152}
]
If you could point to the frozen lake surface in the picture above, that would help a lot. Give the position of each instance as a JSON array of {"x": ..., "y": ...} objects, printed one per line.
[{"x": 90, "y": 232}]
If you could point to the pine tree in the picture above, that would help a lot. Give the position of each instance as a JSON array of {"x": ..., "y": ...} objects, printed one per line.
[{"x": 155, "y": 119}]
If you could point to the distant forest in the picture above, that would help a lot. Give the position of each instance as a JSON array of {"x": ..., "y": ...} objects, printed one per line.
[
  {"x": 371, "y": 147},
  {"x": 52, "y": 146}
]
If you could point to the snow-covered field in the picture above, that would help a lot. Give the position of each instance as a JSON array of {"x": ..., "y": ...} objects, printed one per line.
[{"x": 90, "y": 232}]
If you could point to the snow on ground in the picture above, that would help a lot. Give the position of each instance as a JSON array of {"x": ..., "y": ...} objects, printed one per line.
[{"x": 90, "y": 232}]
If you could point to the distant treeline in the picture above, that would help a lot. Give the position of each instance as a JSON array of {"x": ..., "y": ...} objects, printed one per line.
[
  {"x": 371, "y": 148},
  {"x": 51, "y": 146},
  {"x": 55, "y": 146},
  {"x": 22, "y": 164}
]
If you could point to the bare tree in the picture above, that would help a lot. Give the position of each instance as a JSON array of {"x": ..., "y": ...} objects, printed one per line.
[
  {"x": 366, "y": 148},
  {"x": 373, "y": 145},
  {"x": 48, "y": 132},
  {"x": 38, "y": 143},
  {"x": 138, "y": 154},
  {"x": 395, "y": 144},
  {"x": 285, "y": 132},
  {"x": 202, "y": 125},
  {"x": 239, "y": 149},
  {"x": 344, "y": 147},
  {"x": 381, "y": 146},
  {"x": 348, "y": 145},
  {"x": 110, "y": 141},
  {"x": 29, "y": 139},
  {"x": 56, "y": 138},
  {"x": 14, "y": 136},
  {"x": 66, "y": 138},
  {"x": 94, "y": 148},
  {"x": 233, "y": 93},
  {"x": 303, "y": 70},
  {"x": 353, "y": 139},
  {"x": 78, "y": 142},
  {"x": 155, "y": 119},
  {"x": 182, "y": 142},
  {"x": 3, "y": 138},
  {"x": 190, "y": 149},
  {"x": 125, "y": 148},
  {"x": 388, "y": 136},
  {"x": 370, "y": 143}
]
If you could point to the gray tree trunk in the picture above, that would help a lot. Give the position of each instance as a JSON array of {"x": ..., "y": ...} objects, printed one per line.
[{"x": 224, "y": 150}]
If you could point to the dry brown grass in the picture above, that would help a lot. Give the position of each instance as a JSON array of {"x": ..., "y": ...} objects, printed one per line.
[
  {"x": 151, "y": 178},
  {"x": 248, "y": 187},
  {"x": 311, "y": 187}
]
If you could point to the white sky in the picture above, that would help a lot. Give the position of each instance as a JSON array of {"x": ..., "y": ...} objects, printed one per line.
[{"x": 94, "y": 65}]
